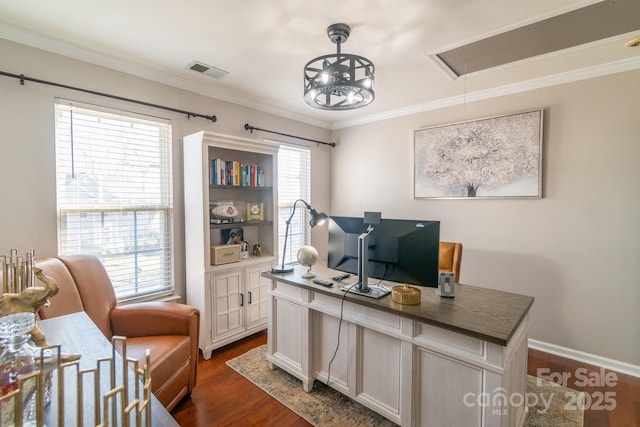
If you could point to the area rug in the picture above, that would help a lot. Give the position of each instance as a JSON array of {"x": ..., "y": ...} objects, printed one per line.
[{"x": 313, "y": 406}]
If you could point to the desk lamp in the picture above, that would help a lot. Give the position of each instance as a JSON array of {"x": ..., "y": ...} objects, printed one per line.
[{"x": 316, "y": 219}]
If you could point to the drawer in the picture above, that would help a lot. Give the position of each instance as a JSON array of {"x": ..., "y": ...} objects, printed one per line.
[
  {"x": 428, "y": 334},
  {"x": 291, "y": 293},
  {"x": 359, "y": 314}
]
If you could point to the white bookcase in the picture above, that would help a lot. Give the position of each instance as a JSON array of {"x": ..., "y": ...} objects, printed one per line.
[{"x": 232, "y": 298}]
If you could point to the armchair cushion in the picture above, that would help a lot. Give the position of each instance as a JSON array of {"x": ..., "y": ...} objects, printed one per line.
[
  {"x": 166, "y": 329},
  {"x": 153, "y": 318},
  {"x": 95, "y": 289},
  {"x": 67, "y": 290},
  {"x": 170, "y": 364}
]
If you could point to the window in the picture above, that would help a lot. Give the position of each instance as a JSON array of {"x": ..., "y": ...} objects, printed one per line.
[
  {"x": 294, "y": 182},
  {"x": 114, "y": 193}
]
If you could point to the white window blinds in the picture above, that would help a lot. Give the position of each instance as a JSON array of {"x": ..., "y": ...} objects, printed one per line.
[
  {"x": 114, "y": 193},
  {"x": 294, "y": 182}
]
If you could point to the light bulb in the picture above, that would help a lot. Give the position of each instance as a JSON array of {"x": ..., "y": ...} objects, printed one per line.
[{"x": 350, "y": 97}]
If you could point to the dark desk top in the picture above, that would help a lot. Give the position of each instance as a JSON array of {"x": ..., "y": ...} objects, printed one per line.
[
  {"x": 76, "y": 333},
  {"x": 482, "y": 313}
]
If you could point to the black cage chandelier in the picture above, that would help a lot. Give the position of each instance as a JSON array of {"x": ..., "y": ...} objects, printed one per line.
[{"x": 339, "y": 81}]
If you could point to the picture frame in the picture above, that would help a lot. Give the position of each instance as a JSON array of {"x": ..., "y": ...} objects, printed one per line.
[
  {"x": 232, "y": 236},
  {"x": 494, "y": 157},
  {"x": 255, "y": 211}
]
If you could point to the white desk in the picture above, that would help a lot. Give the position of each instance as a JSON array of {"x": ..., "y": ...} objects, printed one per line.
[{"x": 417, "y": 365}]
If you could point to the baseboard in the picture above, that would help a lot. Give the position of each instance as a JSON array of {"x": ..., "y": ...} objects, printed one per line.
[{"x": 581, "y": 356}]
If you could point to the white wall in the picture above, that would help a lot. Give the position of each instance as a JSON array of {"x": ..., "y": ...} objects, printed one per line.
[
  {"x": 577, "y": 250},
  {"x": 27, "y": 158}
]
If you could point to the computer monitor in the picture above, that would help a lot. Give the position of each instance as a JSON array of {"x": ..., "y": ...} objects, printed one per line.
[{"x": 399, "y": 250}]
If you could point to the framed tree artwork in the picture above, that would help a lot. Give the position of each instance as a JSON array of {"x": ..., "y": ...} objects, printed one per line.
[{"x": 491, "y": 157}]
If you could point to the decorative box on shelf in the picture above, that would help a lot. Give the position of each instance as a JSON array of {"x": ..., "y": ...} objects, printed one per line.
[{"x": 225, "y": 254}]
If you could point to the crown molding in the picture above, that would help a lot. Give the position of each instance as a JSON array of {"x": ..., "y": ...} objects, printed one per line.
[
  {"x": 509, "y": 89},
  {"x": 40, "y": 41}
]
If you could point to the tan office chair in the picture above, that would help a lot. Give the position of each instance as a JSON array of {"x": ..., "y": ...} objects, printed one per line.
[{"x": 450, "y": 258}]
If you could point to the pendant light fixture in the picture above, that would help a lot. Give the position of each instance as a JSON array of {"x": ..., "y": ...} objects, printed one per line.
[{"x": 339, "y": 81}]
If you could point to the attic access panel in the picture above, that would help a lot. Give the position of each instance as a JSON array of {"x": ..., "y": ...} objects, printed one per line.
[{"x": 585, "y": 25}]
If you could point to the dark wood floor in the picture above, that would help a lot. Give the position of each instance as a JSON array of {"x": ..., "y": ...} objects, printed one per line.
[
  {"x": 223, "y": 397},
  {"x": 623, "y": 398}
]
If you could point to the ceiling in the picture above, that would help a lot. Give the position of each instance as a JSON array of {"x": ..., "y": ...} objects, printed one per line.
[{"x": 264, "y": 45}]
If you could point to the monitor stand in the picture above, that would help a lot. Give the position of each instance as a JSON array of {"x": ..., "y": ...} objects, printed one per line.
[
  {"x": 372, "y": 290},
  {"x": 363, "y": 287}
]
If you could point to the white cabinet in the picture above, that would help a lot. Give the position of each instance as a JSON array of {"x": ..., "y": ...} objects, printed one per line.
[
  {"x": 232, "y": 298},
  {"x": 237, "y": 303}
]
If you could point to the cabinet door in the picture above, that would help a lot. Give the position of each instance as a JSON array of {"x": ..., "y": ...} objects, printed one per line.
[
  {"x": 329, "y": 349},
  {"x": 257, "y": 296},
  {"x": 227, "y": 304},
  {"x": 445, "y": 390}
]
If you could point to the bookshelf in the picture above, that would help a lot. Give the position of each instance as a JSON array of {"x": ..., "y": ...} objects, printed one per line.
[{"x": 233, "y": 297}]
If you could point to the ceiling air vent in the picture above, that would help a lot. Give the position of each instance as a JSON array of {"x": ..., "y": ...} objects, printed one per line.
[{"x": 208, "y": 70}]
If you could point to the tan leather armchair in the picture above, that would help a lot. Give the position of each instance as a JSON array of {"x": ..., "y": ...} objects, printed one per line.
[
  {"x": 168, "y": 330},
  {"x": 450, "y": 258}
]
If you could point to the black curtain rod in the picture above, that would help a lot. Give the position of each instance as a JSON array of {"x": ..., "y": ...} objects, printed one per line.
[
  {"x": 250, "y": 128},
  {"x": 189, "y": 114}
]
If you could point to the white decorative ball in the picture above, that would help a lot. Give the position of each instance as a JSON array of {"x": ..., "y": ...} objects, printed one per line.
[{"x": 307, "y": 256}]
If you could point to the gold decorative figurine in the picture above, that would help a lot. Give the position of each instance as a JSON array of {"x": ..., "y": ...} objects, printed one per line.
[{"x": 21, "y": 295}]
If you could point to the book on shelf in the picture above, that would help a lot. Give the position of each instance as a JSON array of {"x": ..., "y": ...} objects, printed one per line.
[
  {"x": 218, "y": 172},
  {"x": 234, "y": 173}
]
